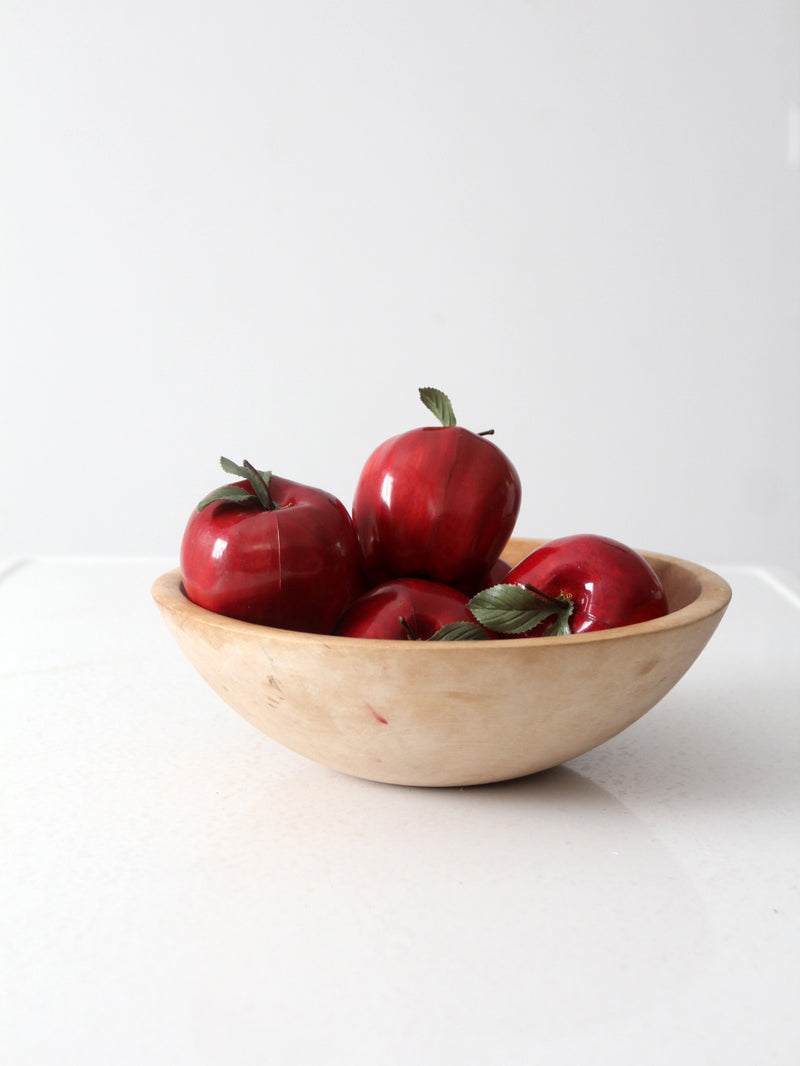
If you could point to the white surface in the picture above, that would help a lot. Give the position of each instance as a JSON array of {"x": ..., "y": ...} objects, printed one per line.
[
  {"x": 255, "y": 228},
  {"x": 176, "y": 888}
]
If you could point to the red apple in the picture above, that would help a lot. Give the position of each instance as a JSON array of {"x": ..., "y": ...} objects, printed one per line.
[
  {"x": 495, "y": 576},
  {"x": 409, "y": 609},
  {"x": 438, "y": 502},
  {"x": 271, "y": 551},
  {"x": 573, "y": 584}
]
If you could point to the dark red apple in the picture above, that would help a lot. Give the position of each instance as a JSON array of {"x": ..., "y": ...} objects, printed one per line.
[
  {"x": 271, "y": 551},
  {"x": 573, "y": 584},
  {"x": 495, "y": 576},
  {"x": 409, "y": 609},
  {"x": 438, "y": 502}
]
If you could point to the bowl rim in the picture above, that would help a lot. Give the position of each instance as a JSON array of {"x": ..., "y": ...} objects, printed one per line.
[{"x": 713, "y": 598}]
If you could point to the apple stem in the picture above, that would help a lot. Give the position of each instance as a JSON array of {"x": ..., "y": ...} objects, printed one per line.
[
  {"x": 486, "y": 433},
  {"x": 557, "y": 600},
  {"x": 407, "y": 627}
]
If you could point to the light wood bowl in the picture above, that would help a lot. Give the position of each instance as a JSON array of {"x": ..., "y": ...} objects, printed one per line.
[{"x": 444, "y": 714}]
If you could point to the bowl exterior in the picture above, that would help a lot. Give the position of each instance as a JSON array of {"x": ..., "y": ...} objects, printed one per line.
[{"x": 439, "y": 714}]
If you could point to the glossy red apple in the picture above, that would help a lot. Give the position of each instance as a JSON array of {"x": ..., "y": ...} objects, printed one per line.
[
  {"x": 495, "y": 576},
  {"x": 410, "y": 609},
  {"x": 573, "y": 584},
  {"x": 438, "y": 502},
  {"x": 271, "y": 551}
]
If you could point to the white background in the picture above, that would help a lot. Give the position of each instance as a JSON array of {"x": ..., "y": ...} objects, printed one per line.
[{"x": 254, "y": 229}]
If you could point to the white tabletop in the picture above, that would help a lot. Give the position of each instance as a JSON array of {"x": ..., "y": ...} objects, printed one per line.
[{"x": 176, "y": 888}]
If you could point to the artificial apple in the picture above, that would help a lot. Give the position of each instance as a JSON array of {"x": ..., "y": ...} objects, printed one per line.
[
  {"x": 438, "y": 502},
  {"x": 495, "y": 576},
  {"x": 271, "y": 551},
  {"x": 572, "y": 584},
  {"x": 410, "y": 609}
]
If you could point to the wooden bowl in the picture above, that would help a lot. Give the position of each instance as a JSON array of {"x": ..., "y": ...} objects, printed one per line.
[{"x": 418, "y": 713}]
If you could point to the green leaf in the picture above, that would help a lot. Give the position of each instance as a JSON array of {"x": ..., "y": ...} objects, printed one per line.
[
  {"x": 259, "y": 479},
  {"x": 559, "y": 627},
  {"x": 460, "y": 631},
  {"x": 230, "y": 467},
  {"x": 233, "y": 493},
  {"x": 513, "y": 609},
  {"x": 260, "y": 482},
  {"x": 439, "y": 404}
]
